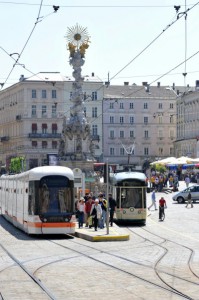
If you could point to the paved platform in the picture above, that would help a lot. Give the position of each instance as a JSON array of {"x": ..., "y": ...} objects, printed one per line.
[{"x": 115, "y": 234}]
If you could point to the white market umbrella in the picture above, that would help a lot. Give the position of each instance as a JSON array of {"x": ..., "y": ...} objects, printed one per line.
[{"x": 164, "y": 161}]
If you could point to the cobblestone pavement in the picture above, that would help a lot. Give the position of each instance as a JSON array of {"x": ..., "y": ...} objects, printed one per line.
[{"x": 160, "y": 261}]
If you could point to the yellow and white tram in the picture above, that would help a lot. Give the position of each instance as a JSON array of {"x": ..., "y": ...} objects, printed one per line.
[
  {"x": 39, "y": 201},
  {"x": 129, "y": 191}
]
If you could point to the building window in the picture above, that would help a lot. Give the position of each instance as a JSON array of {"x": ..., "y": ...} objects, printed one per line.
[
  {"x": 160, "y": 119},
  {"x": 43, "y": 110},
  {"x": 121, "y": 120},
  {"x": 146, "y": 134},
  {"x": 131, "y": 120},
  {"x": 171, "y": 134},
  {"x": 54, "y": 144},
  {"x": 71, "y": 95},
  {"x": 34, "y": 144},
  {"x": 94, "y": 112},
  {"x": 160, "y": 106},
  {"x": 112, "y": 151},
  {"x": 146, "y": 151},
  {"x": 131, "y": 133},
  {"x": 112, "y": 134},
  {"x": 34, "y": 110},
  {"x": 131, "y": 106},
  {"x": 54, "y": 128},
  {"x": 94, "y": 96},
  {"x": 44, "y": 144},
  {"x": 171, "y": 150},
  {"x": 54, "y": 110},
  {"x": 111, "y": 119},
  {"x": 111, "y": 105},
  {"x": 171, "y": 119},
  {"x": 145, "y": 120},
  {"x": 43, "y": 94},
  {"x": 121, "y": 105},
  {"x": 54, "y": 94},
  {"x": 160, "y": 151},
  {"x": 34, "y": 128},
  {"x": 160, "y": 133},
  {"x": 122, "y": 151},
  {"x": 34, "y": 94},
  {"x": 85, "y": 96},
  {"x": 44, "y": 128},
  {"x": 94, "y": 130},
  {"x": 145, "y": 105},
  {"x": 122, "y": 134},
  {"x": 171, "y": 105}
]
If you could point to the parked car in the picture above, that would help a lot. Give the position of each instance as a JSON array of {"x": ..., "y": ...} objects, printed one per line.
[{"x": 181, "y": 196}]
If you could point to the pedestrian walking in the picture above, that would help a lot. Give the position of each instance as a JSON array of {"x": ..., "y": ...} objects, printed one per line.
[
  {"x": 96, "y": 213},
  {"x": 189, "y": 200},
  {"x": 112, "y": 206},
  {"x": 103, "y": 204},
  {"x": 88, "y": 206},
  {"x": 187, "y": 181},
  {"x": 153, "y": 199},
  {"x": 81, "y": 211}
]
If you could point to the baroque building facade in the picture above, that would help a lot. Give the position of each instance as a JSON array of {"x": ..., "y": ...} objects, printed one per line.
[
  {"x": 187, "y": 123},
  {"x": 32, "y": 113},
  {"x": 130, "y": 124},
  {"x": 139, "y": 123}
]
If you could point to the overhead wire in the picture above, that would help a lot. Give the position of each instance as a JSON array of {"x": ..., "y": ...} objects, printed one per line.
[
  {"x": 179, "y": 16},
  {"x": 88, "y": 6},
  {"x": 20, "y": 54},
  {"x": 147, "y": 47}
]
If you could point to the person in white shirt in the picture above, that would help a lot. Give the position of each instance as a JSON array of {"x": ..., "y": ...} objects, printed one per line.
[
  {"x": 187, "y": 180},
  {"x": 96, "y": 212},
  {"x": 81, "y": 211}
]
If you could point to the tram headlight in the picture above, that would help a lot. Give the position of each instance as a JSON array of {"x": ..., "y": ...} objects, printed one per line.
[
  {"x": 66, "y": 219},
  {"x": 45, "y": 220}
]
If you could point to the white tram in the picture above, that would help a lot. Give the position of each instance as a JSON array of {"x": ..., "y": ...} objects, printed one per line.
[
  {"x": 129, "y": 191},
  {"x": 39, "y": 201}
]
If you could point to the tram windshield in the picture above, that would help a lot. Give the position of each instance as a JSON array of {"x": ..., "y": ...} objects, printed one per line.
[
  {"x": 54, "y": 194},
  {"x": 129, "y": 197},
  {"x": 131, "y": 193}
]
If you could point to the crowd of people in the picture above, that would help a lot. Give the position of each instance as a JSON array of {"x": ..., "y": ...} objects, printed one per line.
[{"x": 92, "y": 211}]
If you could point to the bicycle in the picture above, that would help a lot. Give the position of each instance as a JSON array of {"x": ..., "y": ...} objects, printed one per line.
[{"x": 162, "y": 214}]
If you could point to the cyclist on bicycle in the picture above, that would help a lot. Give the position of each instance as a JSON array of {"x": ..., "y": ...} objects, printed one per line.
[{"x": 162, "y": 206}]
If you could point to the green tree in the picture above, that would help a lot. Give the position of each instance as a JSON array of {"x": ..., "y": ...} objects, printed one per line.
[
  {"x": 17, "y": 164},
  {"x": 159, "y": 168}
]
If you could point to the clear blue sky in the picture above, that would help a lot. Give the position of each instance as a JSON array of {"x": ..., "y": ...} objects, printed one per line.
[{"x": 119, "y": 31}]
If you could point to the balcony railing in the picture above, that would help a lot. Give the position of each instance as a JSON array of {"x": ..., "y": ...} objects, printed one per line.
[
  {"x": 45, "y": 135},
  {"x": 5, "y": 138},
  {"x": 95, "y": 137}
]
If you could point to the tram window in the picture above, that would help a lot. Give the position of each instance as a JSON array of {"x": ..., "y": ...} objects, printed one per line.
[
  {"x": 131, "y": 197},
  {"x": 32, "y": 208}
]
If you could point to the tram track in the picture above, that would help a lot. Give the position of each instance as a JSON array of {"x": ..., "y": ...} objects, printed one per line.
[
  {"x": 26, "y": 271},
  {"x": 156, "y": 265},
  {"x": 181, "y": 245},
  {"x": 167, "y": 289},
  {"x": 128, "y": 269}
]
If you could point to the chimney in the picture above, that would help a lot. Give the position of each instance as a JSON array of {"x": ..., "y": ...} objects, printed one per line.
[
  {"x": 144, "y": 83},
  {"x": 126, "y": 83},
  {"x": 173, "y": 86},
  {"x": 178, "y": 92},
  {"x": 21, "y": 78},
  {"x": 93, "y": 74},
  {"x": 158, "y": 84}
]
